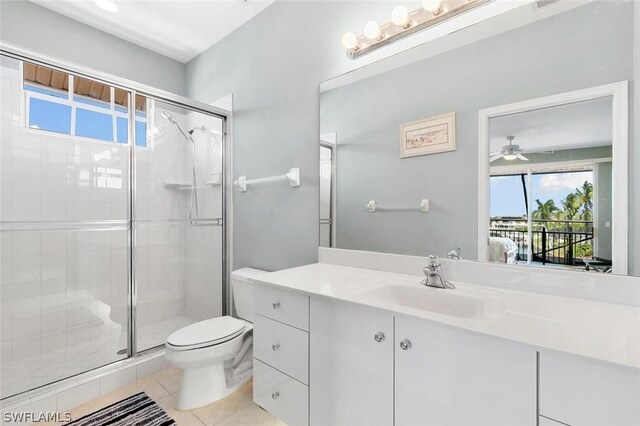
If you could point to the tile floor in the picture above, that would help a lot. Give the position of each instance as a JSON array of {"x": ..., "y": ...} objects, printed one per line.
[{"x": 237, "y": 409}]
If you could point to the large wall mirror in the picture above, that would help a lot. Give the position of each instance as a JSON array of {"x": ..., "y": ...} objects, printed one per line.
[{"x": 512, "y": 148}]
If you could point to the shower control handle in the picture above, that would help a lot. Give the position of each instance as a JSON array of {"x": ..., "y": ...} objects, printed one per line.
[
  {"x": 379, "y": 337},
  {"x": 275, "y": 347},
  {"x": 276, "y": 305},
  {"x": 275, "y": 395}
]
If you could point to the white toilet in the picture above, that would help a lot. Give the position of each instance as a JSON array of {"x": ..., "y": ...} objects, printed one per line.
[{"x": 215, "y": 355}]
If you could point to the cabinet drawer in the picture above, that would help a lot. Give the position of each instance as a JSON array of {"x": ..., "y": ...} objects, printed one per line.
[
  {"x": 282, "y": 347},
  {"x": 282, "y": 305},
  {"x": 280, "y": 395},
  {"x": 586, "y": 392}
]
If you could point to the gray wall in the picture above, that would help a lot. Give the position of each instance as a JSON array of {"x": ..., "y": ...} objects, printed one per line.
[
  {"x": 273, "y": 65},
  {"x": 29, "y": 26},
  {"x": 585, "y": 47},
  {"x": 273, "y": 72}
]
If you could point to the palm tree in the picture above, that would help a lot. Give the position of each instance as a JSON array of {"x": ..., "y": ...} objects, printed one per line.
[
  {"x": 571, "y": 205},
  {"x": 545, "y": 210},
  {"x": 585, "y": 198}
]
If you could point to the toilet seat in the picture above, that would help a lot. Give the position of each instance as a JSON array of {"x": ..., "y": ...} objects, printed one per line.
[{"x": 206, "y": 333}]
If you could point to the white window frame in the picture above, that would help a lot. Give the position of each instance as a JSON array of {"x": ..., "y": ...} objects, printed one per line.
[
  {"x": 620, "y": 148},
  {"x": 111, "y": 111}
]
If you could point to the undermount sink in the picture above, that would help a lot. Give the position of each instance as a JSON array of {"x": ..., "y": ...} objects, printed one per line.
[{"x": 448, "y": 302}]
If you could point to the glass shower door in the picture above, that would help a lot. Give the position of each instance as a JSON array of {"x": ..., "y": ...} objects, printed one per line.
[
  {"x": 64, "y": 226},
  {"x": 178, "y": 222}
]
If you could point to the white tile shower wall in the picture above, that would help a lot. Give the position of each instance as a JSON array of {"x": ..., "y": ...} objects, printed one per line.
[
  {"x": 53, "y": 177},
  {"x": 68, "y": 314},
  {"x": 64, "y": 294},
  {"x": 178, "y": 266}
]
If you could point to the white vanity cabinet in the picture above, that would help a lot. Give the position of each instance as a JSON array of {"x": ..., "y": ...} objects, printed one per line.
[
  {"x": 448, "y": 376},
  {"x": 578, "y": 391},
  {"x": 351, "y": 364},
  {"x": 281, "y": 354},
  {"x": 435, "y": 375},
  {"x": 322, "y": 361}
]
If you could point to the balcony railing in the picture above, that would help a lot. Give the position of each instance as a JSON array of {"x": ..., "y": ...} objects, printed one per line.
[{"x": 562, "y": 242}]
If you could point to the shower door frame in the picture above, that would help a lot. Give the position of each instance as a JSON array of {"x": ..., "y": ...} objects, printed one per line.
[{"x": 134, "y": 88}]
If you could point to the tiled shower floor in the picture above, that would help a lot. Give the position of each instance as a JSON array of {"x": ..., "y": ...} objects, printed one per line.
[{"x": 35, "y": 371}]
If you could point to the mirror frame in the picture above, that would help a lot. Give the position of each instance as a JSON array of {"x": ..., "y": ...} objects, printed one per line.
[{"x": 620, "y": 146}]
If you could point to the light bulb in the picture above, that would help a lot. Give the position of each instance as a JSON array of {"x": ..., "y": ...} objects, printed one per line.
[
  {"x": 510, "y": 157},
  {"x": 400, "y": 16},
  {"x": 107, "y": 5},
  {"x": 433, "y": 6},
  {"x": 349, "y": 41},
  {"x": 372, "y": 30}
]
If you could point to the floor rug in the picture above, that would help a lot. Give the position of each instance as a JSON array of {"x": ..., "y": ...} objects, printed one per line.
[{"x": 135, "y": 410}]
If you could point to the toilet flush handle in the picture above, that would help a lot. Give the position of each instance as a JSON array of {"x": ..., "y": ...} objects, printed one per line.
[
  {"x": 276, "y": 305},
  {"x": 275, "y": 347}
]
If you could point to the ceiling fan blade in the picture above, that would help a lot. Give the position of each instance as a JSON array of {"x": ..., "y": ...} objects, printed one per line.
[
  {"x": 522, "y": 157},
  {"x": 495, "y": 157},
  {"x": 529, "y": 151}
]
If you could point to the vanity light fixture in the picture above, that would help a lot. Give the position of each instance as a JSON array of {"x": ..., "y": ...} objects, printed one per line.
[{"x": 404, "y": 23}]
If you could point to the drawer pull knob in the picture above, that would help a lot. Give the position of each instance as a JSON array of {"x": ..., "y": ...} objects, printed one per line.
[
  {"x": 379, "y": 337},
  {"x": 276, "y": 305},
  {"x": 405, "y": 345},
  {"x": 275, "y": 395},
  {"x": 275, "y": 347}
]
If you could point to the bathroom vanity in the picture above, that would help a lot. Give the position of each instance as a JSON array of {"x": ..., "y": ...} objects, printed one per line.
[{"x": 338, "y": 344}]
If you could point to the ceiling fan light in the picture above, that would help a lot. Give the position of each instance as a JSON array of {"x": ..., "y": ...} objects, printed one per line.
[{"x": 510, "y": 157}]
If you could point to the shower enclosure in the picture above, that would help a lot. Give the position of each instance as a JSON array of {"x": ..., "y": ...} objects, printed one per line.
[{"x": 111, "y": 221}]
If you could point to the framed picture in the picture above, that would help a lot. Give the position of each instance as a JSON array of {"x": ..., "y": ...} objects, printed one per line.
[{"x": 428, "y": 136}]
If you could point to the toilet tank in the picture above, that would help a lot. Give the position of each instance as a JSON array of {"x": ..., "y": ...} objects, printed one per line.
[{"x": 242, "y": 287}]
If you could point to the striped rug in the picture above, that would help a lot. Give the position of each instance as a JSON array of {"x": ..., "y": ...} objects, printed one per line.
[{"x": 135, "y": 410}]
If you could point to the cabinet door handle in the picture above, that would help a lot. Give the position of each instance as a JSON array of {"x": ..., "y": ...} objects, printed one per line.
[
  {"x": 405, "y": 345},
  {"x": 275, "y": 347},
  {"x": 379, "y": 336},
  {"x": 276, "y": 305},
  {"x": 275, "y": 395}
]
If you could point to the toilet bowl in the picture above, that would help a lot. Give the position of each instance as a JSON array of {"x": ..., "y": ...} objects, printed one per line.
[{"x": 215, "y": 355}]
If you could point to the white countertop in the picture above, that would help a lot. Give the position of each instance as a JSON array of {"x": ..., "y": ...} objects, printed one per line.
[{"x": 605, "y": 331}]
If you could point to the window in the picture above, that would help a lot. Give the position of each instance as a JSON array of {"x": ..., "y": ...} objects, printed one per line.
[{"x": 66, "y": 104}]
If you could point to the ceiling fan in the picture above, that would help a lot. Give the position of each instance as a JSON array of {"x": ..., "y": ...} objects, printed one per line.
[{"x": 509, "y": 152}]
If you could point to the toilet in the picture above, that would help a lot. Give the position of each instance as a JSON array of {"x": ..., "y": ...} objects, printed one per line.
[{"x": 215, "y": 355}]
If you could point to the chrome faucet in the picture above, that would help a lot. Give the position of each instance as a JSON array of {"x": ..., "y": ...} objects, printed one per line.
[
  {"x": 455, "y": 254},
  {"x": 434, "y": 275}
]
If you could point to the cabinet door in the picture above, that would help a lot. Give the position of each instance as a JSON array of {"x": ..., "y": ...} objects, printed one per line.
[
  {"x": 351, "y": 373},
  {"x": 585, "y": 392},
  {"x": 450, "y": 376}
]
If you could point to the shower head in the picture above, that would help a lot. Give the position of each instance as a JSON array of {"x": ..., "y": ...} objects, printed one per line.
[
  {"x": 201, "y": 128},
  {"x": 167, "y": 115}
]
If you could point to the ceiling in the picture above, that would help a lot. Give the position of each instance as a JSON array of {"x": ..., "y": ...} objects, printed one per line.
[
  {"x": 579, "y": 125},
  {"x": 179, "y": 29}
]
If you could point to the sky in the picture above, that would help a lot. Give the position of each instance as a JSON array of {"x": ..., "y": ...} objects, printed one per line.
[
  {"x": 56, "y": 117},
  {"x": 507, "y": 198}
]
